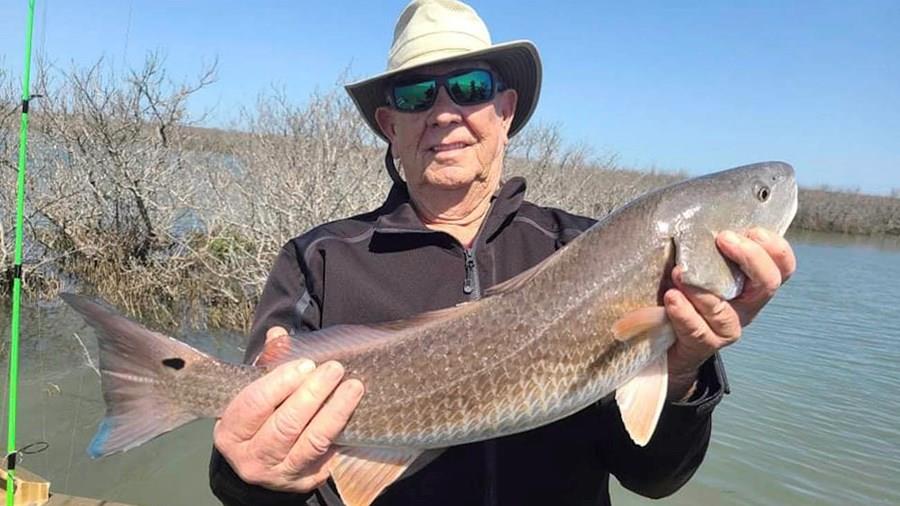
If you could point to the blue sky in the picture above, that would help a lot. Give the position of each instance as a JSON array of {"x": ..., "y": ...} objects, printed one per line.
[{"x": 698, "y": 86}]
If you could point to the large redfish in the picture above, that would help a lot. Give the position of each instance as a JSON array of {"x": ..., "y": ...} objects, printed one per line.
[{"x": 584, "y": 322}]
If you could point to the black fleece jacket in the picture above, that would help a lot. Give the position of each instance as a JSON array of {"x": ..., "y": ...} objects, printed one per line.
[{"x": 385, "y": 265}]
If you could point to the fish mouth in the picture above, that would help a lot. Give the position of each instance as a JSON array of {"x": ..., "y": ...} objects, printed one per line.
[{"x": 789, "y": 217}]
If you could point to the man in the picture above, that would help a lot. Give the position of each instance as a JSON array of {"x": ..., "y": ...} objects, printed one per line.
[{"x": 447, "y": 106}]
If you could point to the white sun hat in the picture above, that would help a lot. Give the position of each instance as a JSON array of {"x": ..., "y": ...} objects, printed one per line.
[{"x": 442, "y": 31}]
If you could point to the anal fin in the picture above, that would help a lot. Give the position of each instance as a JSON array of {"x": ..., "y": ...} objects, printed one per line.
[
  {"x": 361, "y": 474},
  {"x": 641, "y": 400}
]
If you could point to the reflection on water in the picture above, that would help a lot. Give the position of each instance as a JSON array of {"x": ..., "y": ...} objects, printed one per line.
[{"x": 813, "y": 418}]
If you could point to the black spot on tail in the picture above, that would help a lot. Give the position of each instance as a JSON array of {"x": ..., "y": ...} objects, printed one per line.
[{"x": 174, "y": 363}]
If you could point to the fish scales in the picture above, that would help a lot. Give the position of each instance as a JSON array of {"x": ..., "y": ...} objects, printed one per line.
[
  {"x": 502, "y": 378},
  {"x": 210, "y": 387}
]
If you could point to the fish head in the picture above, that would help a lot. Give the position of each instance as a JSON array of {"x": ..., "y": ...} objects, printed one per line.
[{"x": 696, "y": 211}]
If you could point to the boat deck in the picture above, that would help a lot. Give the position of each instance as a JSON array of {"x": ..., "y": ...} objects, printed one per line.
[{"x": 63, "y": 499}]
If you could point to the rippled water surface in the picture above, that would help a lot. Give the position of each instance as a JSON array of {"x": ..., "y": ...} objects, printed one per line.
[
  {"x": 813, "y": 418},
  {"x": 814, "y": 413}
]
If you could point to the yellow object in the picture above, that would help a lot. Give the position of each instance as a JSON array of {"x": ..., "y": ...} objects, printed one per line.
[{"x": 30, "y": 490}]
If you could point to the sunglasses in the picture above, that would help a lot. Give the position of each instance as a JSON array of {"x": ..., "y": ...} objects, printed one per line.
[{"x": 465, "y": 87}]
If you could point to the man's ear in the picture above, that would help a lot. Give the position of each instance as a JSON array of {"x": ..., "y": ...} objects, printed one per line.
[
  {"x": 385, "y": 118},
  {"x": 506, "y": 109},
  {"x": 507, "y": 106}
]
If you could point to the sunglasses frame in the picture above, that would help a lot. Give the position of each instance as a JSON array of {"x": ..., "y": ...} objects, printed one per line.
[{"x": 442, "y": 81}]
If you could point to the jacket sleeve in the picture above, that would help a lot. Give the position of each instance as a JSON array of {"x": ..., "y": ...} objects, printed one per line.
[
  {"x": 285, "y": 302},
  {"x": 677, "y": 447}
]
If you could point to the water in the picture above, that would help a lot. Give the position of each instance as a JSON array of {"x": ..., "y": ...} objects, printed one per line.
[
  {"x": 813, "y": 418},
  {"x": 814, "y": 413}
]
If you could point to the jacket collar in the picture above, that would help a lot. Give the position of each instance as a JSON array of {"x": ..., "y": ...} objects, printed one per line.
[{"x": 398, "y": 215}]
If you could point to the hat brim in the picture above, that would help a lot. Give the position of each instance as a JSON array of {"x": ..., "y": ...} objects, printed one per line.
[{"x": 518, "y": 62}]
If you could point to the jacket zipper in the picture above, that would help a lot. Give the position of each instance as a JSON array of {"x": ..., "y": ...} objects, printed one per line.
[{"x": 471, "y": 285}]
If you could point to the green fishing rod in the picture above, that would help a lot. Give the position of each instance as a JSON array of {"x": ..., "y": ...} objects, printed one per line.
[{"x": 17, "y": 269}]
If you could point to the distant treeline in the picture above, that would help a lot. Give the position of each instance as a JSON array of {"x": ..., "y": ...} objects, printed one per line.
[
  {"x": 848, "y": 212},
  {"x": 129, "y": 199}
]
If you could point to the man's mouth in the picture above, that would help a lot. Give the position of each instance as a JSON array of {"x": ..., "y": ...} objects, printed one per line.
[{"x": 448, "y": 147}]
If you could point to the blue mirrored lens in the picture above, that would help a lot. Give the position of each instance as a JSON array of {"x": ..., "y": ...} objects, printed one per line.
[
  {"x": 416, "y": 96},
  {"x": 466, "y": 88},
  {"x": 472, "y": 87}
]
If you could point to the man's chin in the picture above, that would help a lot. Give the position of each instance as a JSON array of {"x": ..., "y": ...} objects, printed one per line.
[
  {"x": 449, "y": 185},
  {"x": 449, "y": 178}
]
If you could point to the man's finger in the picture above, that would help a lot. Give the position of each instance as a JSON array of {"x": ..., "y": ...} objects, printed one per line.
[
  {"x": 275, "y": 332},
  {"x": 718, "y": 314},
  {"x": 315, "y": 442},
  {"x": 763, "y": 276},
  {"x": 687, "y": 323},
  {"x": 778, "y": 248},
  {"x": 279, "y": 433},
  {"x": 247, "y": 412}
]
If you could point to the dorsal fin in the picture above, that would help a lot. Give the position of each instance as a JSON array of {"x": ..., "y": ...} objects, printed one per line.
[{"x": 339, "y": 341}]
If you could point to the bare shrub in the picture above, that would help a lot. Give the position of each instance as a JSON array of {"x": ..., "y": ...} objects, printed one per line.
[
  {"x": 9, "y": 129},
  {"x": 572, "y": 178},
  {"x": 289, "y": 168},
  {"x": 107, "y": 176},
  {"x": 10, "y": 122},
  {"x": 847, "y": 212},
  {"x": 116, "y": 167},
  {"x": 165, "y": 219},
  {"x": 304, "y": 165}
]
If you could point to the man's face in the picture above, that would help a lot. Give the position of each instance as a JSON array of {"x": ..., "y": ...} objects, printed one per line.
[{"x": 450, "y": 146}]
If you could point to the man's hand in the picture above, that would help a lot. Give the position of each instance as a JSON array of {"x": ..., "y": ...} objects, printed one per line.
[
  {"x": 704, "y": 323},
  {"x": 277, "y": 432}
]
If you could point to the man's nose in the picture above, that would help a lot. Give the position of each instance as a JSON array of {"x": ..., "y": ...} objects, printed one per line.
[{"x": 444, "y": 111}]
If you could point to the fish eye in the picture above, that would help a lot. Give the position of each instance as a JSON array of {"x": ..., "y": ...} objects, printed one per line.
[{"x": 763, "y": 192}]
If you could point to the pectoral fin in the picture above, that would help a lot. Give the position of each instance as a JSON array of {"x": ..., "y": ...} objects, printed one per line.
[
  {"x": 641, "y": 400},
  {"x": 642, "y": 321},
  {"x": 360, "y": 474}
]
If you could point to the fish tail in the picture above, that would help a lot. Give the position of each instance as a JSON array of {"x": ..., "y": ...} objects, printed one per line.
[{"x": 136, "y": 366}]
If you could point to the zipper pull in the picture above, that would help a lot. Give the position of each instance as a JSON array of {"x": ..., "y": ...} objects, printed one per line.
[{"x": 469, "y": 284}]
